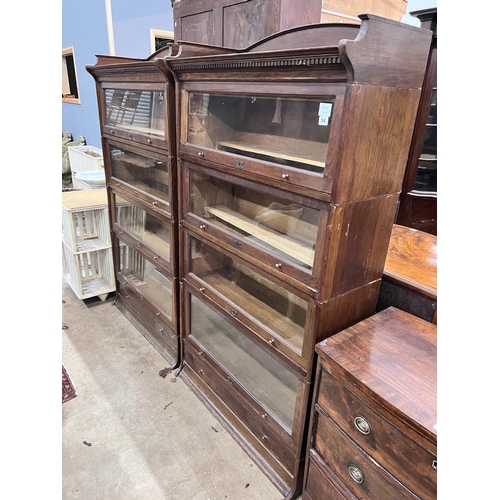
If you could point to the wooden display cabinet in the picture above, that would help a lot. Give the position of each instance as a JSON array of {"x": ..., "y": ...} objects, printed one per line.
[
  {"x": 239, "y": 23},
  {"x": 291, "y": 158},
  {"x": 418, "y": 207},
  {"x": 137, "y": 118}
]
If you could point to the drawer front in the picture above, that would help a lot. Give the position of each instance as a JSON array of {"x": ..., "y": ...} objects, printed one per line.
[
  {"x": 320, "y": 487},
  {"x": 255, "y": 418},
  {"x": 364, "y": 477},
  {"x": 401, "y": 456}
]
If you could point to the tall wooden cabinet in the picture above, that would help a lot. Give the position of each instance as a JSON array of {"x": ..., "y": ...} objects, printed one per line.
[
  {"x": 291, "y": 155},
  {"x": 418, "y": 208},
  {"x": 137, "y": 118},
  {"x": 239, "y": 23}
]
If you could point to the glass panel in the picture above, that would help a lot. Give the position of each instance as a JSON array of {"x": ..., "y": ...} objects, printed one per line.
[
  {"x": 426, "y": 179},
  {"x": 145, "y": 226},
  {"x": 289, "y": 230},
  {"x": 147, "y": 278},
  {"x": 433, "y": 108},
  {"x": 267, "y": 302},
  {"x": 288, "y": 131},
  {"x": 271, "y": 384},
  {"x": 140, "y": 111},
  {"x": 141, "y": 171},
  {"x": 429, "y": 149}
]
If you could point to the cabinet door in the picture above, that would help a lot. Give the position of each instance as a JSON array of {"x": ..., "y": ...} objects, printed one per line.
[
  {"x": 150, "y": 233},
  {"x": 270, "y": 227},
  {"x": 135, "y": 113},
  {"x": 265, "y": 381},
  {"x": 150, "y": 282},
  {"x": 283, "y": 139},
  {"x": 275, "y": 313},
  {"x": 140, "y": 173}
]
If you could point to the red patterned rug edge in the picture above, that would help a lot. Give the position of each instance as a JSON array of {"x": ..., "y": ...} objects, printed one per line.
[{"x": 68, "y": 389}]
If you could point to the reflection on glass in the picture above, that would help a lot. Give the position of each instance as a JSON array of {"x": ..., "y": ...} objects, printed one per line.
[
  {"x": 287, "y": 131},
  {"x": 426, "y": 179},
  {"x": 141, "y": 224},
  {"x": 141, "y": 171},
  {"x": 139, "y": 111},
  {"x": 285, "y": 228},
  {"x": 147, "y": 278},
  {"x": 430, "y": 142},
  {"x": 426, "y": 175},
  {"x": 271, "y": 384},
  {"x": 267, "y": 302}
]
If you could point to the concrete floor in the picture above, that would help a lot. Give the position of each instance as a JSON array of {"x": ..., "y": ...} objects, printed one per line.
[{"x": 148, "y": 437}]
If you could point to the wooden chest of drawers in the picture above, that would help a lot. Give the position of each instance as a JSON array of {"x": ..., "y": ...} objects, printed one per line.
[{"x": 373, "y": 427}]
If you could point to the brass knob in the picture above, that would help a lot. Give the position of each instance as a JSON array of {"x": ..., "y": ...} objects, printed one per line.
[
  {"x": 277, "y": 266},
  {"x": 264, "y": 437},
  {"x": 271, "y": 341},
  {"x": 201, "y": 154},
  {"x": 149, "y": 141},
  {"x": 362, "y": 424},
  {"x": 356, "y": 474},
  {"x": 202, "y": 288},
  {"x": 202, "y": 226},
  {"x": 264, "y": 415},
  {"x": 155, "y": 203},
  {"x": 155, "y": 257},
  {"x": 284, "y": 176}
]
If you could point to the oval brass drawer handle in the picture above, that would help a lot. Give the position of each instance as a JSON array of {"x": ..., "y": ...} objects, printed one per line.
[
  {"x": 362, "y": 424},
  {"x": 356, "y": 474}
]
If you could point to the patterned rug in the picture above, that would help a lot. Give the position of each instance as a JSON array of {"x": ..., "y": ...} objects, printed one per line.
[{"x": 68, "y": 389}]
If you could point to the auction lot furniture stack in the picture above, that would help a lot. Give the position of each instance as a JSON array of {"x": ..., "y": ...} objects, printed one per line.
[{"x": 285, "y": 162}]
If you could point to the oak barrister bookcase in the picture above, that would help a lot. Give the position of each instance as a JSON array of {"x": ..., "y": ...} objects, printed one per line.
[
  {"x": 291, "y": 155},
  {"x": 137, "y": 118},
  {"x": 275, "y": 171}
]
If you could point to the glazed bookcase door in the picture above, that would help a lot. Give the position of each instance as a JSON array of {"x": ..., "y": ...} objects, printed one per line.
[
  {"x": 267, "y": 396},
  {"x": 150, "y": 295},
  {"x": 148, "y": 231},
  {"x": 145, "y": 174},
  {"x": 282, "y": 138},
  {"x": 278, "y": 229},
  {"x": 274, "y": 313},
  {"x": 136, "y": 114}
]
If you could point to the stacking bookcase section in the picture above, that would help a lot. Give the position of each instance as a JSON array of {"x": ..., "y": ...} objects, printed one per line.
[
  {"x": 87, "y": 257},
  {"x": 137, "y": 118},
  {"x": 291, "y": 155}
]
